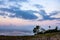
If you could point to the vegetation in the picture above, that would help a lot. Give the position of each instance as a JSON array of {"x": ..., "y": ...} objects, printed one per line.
[
  {"x": 47, "y": 35},
  {"x": 43, "y": 31},
  {"x": 36, "y": 29},
  {"x": 39, "y": 33}
]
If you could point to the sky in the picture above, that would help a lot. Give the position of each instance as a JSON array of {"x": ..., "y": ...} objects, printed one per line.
[{"x": 21, "y": 16}]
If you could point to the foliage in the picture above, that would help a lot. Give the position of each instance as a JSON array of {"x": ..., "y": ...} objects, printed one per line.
[{"x": 37, "y": 31}]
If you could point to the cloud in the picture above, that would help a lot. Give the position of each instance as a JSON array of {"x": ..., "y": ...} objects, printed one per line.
[
  {"x": 29, "y": 14},
  {"x": 24, "y": 15},
  {"x": 33, "y": 4},
  {"x": 19, "y": 0},
  {"x": 24, "y": 25},
  {"x": 18, "y": 13},
  {"x": 39, "y": 16},
  {"x": 42, "y": 15},
  {"x": 55, "y": 14},
  {"x": 27, "y": 25},
  {"x": 28, "y": 10},
  {"x": 1, "y": 3},
  {"x": 38, "y": 6}
]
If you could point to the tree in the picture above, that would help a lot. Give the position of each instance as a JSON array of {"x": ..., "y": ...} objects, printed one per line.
[
  {"x": 56, "y": 28},
  {"x": 49, "y": 27},
  {"x": 36, "y": 30},
  {"x": 37, "y": 27}
]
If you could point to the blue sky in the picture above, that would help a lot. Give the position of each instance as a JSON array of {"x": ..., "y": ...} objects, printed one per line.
[{"x": 24, "y": 15}]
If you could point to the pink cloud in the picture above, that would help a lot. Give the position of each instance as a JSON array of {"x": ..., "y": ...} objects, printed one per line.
[{"x": 21, "y": 22}]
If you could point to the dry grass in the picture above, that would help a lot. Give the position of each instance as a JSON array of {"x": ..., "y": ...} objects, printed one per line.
[{"x": 27, "y": 37}]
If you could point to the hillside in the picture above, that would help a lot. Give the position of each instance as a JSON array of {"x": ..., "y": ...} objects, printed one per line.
[{"x": 48, "y": 36}]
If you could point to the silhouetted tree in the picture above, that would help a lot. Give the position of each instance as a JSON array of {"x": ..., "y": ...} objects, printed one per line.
[
  {"x": 37, "y": 27},
  {"x": 56, "y": 28},
  {"x": 36, "y": 30},
  {"x": 49, "y": 27}
]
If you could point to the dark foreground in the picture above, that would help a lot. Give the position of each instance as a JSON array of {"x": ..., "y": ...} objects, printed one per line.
[{"x": 49, "y": 36}]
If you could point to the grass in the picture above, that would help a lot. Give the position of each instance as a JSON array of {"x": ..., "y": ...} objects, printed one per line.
[{"x": 27, "y": 37}]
